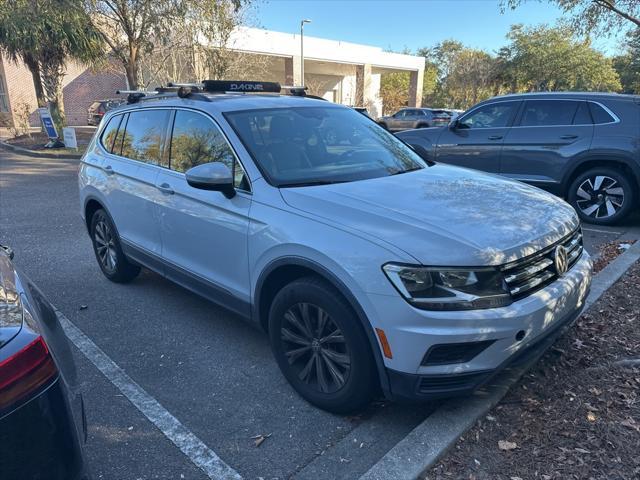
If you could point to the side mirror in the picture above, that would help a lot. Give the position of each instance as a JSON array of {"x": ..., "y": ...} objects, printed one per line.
[
  {"x": 453, "y": 124},
  {"x": 8, "y": 251},
  {"x": 214, "y": 176}
]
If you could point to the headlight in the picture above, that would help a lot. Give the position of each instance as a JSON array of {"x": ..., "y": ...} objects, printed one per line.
[{"x": 449, "y": 289}]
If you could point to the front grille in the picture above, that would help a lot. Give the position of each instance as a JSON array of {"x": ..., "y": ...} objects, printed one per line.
[{"x": 525, "y": 276}]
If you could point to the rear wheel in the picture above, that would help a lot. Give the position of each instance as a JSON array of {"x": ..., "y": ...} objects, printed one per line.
[
  {"x": 602, "y": 196},
  {"x": 106, "y": 246},
  {"x": 320, "y": 346}
]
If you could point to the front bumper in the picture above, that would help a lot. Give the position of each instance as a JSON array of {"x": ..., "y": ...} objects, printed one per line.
[
  {"x": 432, "y": 387},
  {"x": 507, "y": 332}
]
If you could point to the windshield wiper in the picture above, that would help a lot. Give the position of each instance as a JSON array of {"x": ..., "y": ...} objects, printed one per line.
[
  {"x": 407, "y": 170},
  {"x": 311, "y": 183}
]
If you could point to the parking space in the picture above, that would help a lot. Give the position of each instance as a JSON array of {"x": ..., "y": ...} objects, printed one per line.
[{"x": 211, "y": 370}]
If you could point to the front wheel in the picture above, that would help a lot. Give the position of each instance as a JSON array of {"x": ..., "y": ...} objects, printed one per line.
[
  {"x": 320, "y": 346},
  {"x": 602, "y": 196}
]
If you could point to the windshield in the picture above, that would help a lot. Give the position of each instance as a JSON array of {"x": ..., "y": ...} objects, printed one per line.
[{"x": 319, "y": 145}]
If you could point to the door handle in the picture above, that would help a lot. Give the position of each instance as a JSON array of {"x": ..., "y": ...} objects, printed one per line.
[
  {"x": 495, "y": 137},
  {"x": 165, "y": 188},
  {"x": 568, "y": 137},
  {"x": 109, "y": 170}
]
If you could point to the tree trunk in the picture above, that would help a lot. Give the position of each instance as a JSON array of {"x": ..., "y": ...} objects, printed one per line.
[
  {"x": 131, "y": 67},
  {"x": 52, "y": 76},
  {"x": 34, "y": 68}
]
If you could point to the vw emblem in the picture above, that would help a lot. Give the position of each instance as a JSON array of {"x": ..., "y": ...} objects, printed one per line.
[{"x": 561, "y": 260}]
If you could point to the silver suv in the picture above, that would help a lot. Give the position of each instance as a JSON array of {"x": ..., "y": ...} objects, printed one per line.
[{"x": 370, "y": 268}]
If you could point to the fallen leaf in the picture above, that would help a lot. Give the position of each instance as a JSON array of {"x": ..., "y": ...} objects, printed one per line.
[
  {"x": 591, "y": 417},
  {"x": 507, "y": 445},
  {"x": 581, "y": 450},
  {"x": 258, "y": 439}
]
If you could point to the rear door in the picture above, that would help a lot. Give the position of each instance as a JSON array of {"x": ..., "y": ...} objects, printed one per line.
[
  {"x": 476, "y": 141},
  {"x": 548, "y": 134},
  {"x": 137, "y": 155},
  {"x": 204, "y": 233}
]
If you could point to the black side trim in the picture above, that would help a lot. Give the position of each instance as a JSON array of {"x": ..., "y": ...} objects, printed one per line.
[
  {"x": 188, "y": 280},
  {"x": 342, "y": 288}
]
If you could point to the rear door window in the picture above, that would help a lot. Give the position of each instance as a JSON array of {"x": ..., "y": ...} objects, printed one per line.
[
  {"x": 144, "y": 136},
  {"x": 542, "y": 113},
  {"x": 110, "y": 133}
]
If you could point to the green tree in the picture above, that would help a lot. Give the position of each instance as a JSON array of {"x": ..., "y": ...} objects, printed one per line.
[
  {"x": 603, "y": 16},
  {"x": 543, "y": 58},
  {"x": 133, "y": 28},
  {"x": 45, "y": 35},
  {"x": 463, "y": 75},
  {"x": 628, "y": 64}
]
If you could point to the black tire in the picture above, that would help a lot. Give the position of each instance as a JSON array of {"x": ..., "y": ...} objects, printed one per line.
[
  {"x": 106, "y": 247},
  {"x": 422, "y": 125},
  {"x": 348, "y": 350},
  {"x": 602, "y": 196}
]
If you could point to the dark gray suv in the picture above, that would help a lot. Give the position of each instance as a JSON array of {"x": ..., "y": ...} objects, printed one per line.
[{"x": 584, "y": 146}]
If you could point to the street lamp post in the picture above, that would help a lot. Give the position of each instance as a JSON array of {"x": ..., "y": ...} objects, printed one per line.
[{"x": 302, "y": 22}]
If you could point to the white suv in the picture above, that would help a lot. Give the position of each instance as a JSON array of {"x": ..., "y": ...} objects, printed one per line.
[{"x": 369, "y": 267}]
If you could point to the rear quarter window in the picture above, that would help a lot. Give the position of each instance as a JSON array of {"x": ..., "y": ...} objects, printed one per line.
[
  {"x": 599, "y": 114},
  {"x": 110, "y": 132}
]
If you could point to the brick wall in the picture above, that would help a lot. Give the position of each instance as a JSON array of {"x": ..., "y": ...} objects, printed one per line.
[{"x": 80, "y": 88}]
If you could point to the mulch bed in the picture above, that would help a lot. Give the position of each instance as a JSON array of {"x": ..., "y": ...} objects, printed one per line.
[
  {"x": 37, "y": 141},
  {"x": 576, "y": 415},
  {"x": 609, "y": 251}
]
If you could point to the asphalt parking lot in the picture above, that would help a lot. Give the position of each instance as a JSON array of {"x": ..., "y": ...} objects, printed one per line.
[{"x": 209, "y": 369}]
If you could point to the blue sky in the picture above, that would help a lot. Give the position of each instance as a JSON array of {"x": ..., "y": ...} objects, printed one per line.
[{"x": 397, "y": 24}]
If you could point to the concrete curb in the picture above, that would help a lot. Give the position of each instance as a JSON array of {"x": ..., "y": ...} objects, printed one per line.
[
  {"x": 429, "y": 441},
  {"x": 35, "y": 154}
]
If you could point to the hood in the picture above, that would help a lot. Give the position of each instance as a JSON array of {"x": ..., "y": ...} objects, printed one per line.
[{"x": 444, "y": 215}]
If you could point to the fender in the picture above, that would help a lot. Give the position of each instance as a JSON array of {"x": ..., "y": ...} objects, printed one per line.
[
  {"x": 342, "y": 288},
  {"x": 633, "y": 165}
]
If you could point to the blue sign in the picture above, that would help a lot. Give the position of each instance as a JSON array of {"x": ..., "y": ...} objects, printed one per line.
[{"x": 47, "y": 123}]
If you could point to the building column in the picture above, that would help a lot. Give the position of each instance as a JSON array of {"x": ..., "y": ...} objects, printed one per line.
[
  {"x": 363, "y": 85},
  {"x": 292, "y": 72},
  {"x": 415, "y": 88}
]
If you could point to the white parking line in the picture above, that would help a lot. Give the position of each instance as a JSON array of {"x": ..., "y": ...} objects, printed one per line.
[
  {"x": 610, "y": 232},
  {"x": 201, "y": 455}
]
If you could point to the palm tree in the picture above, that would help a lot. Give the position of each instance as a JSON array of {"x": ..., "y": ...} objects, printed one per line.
[{"x": 45, "y": 35}]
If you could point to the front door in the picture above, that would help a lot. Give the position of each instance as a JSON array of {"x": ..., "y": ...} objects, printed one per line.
[
  {"x": 548, "y": 134},
  {"x": 476, "y": 139},
  {"x": 204, "y": 233}
]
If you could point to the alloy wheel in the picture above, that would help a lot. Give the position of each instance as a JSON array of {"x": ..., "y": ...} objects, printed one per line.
[
  {"x": 600, "y": 197},
  {"x": 315, "y": 348},
  {"x": 105, "y": 246}
]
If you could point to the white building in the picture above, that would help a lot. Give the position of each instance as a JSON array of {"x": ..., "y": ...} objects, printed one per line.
[{"x": 342, "y": 72}]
